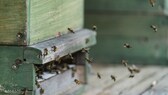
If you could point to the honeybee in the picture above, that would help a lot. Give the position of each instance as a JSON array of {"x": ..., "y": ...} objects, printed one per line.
[
  {"x": 154, "y": 28},
  {"x": 53, "y": 48},
  {"x": 89, "y": 60},
  {"x": 130, "y": 69},
  {"x": 124, "y": 62},
  {"x": 45, "y": 52},
  {"x": 77, "y": 81},
  {"x": 70, "y": 30},
  {"x": 85, "y": 50},
  {"x": 98, "y": 75},
  {"x": 152, "y": 2},
  {"x": 94, "y": 27},
  {"x": 24, "y": 91},
  {"x": 135, "y": 69},
  {"x": 41, "y": 91},
  {"x": 131, "y": 76},
  {"x": 70, "y": 55},
  {"x": 113, "y": 77},
  {"x": 153, "y": 83},
  {"x": 37, "y": 84},
  {"x": 19, "y": 35},
  {"x": 126, "y": 45}
]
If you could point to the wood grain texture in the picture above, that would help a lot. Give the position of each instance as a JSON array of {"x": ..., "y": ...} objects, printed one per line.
[
  {"x": 49, "y": 17},
  {"x": 38, "y": 20},
  {"x": 12, "y": 21},
  {"x": 125, "y": 85}
]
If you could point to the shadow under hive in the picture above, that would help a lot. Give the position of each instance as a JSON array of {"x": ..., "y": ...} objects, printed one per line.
[{"x": 38, "y": 55}]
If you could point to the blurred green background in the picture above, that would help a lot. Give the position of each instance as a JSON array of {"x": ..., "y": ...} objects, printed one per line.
[{"x": 128, "y": 21}]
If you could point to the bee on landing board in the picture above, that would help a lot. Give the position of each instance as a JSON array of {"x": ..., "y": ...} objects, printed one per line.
[
  {"x": 98, "y": 75},
  {"x": 71, "y": 30},
  {"x": 113, "y": 77},
  {"x": 41, "y": 91},
  {"x": 152, "y": 2},
  {"x": 77, "y": 81},
  {"x": 131, "y": 76},
  {"x": 126, "y": 45}
]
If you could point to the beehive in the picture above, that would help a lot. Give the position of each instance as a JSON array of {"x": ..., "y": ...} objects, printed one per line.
[{"x": 26, "y": 22}]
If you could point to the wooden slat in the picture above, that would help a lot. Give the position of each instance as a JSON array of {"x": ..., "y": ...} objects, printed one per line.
[{"x": 161, "y": 87}]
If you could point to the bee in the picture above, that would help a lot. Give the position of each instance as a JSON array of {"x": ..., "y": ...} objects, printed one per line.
[
  {"x": 152, "y": 2},
  {"x": 70, "y": 55},
  {"x": 154, "y": 28},
  {"x": 130, "y": 69},
  {"x": 37, "y": 84},
  {"x": 98, "y": 75},
  {"x": 70, "y": 30},
  {"x": 58, "y": 59},
  {"x": 19, "y": 35},
  {"x": 73, "y": 71},
  {"x": 126, "y": 45},
  {"x": 41, "y": 91},
  {"x": 77, "y": 81},
  {"x": 24, "y": 91},
  {"x": 54, "y": 48},
  {"x": 45, "y": 52},
  {"x": 124, "y": 62},
  {"x": 85, "y": 50},
  {"x": 113, "y": 77},
  {"x": 94, "y": 27},
  {"x": 131, "y": 76},
  {"x": 89, "y": 60},
  {"x": 135, "y": 69}
]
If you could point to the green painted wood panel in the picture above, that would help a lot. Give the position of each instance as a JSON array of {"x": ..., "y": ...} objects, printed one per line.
[
  {"x": 12, "y": 20},
  {"x": 116, "y": 29},
  {"x": 49, "y": 17},
  {"x": 12, "y": 81},
  {"x": 124, "y": 5},
  {"x": 38, "y": 20}
]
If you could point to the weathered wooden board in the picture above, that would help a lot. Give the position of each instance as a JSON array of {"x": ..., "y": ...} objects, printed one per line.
[
  {"x": 116, "y": 29},
  {"x": 127, "y": 6},
  {"x": 125, "y": 85},
  {"x": 38, "y": 20}
]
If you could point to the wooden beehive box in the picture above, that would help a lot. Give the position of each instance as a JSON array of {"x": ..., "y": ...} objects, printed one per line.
[{"x": 26, "y": 22}]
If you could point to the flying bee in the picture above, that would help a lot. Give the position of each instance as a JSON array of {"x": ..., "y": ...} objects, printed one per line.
[
  {"x": 154, "y": 28},
  {"x": 126, "y": 45},
  {"x": 77, "y": 81},
  {"x": 70, "y": 30},
  {"x": 152, "y": 2},
  {"x": 131, "y": 76},
  {"x": 89, "y": 60},
  {"x": 98, "y": 75},
  {"x": 41, "y": 91},
  {"x": 124, "y": 62},
  {"x": 113, "y": 77},
  {"x": 85, "y": 50},
  {"x": 153, "y": 83},
  {"x": 19, "y": 35},
  {"x": 94, "y": 27}
]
